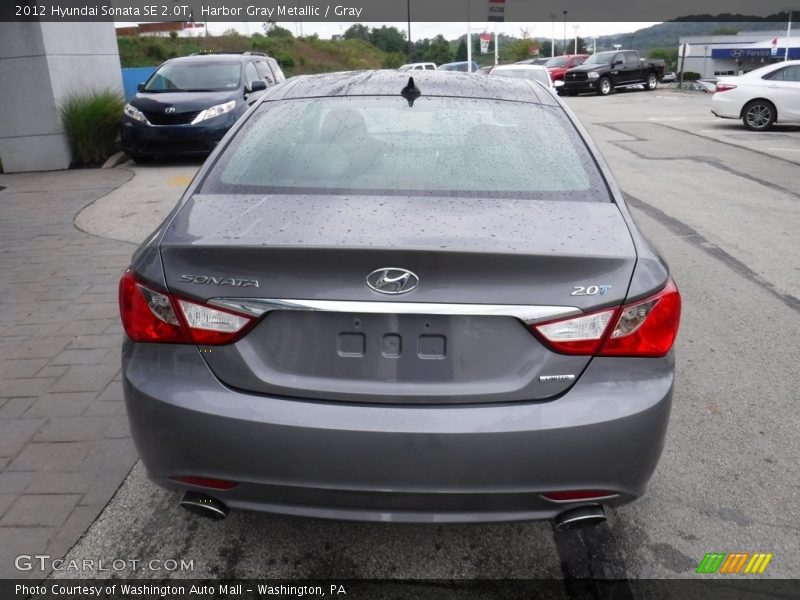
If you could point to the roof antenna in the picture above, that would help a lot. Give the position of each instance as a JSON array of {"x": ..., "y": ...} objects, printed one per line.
[{"x": 410, "y": 92}]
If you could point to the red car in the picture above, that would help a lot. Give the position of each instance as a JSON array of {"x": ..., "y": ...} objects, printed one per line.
[{"x": 558, "y": 65}]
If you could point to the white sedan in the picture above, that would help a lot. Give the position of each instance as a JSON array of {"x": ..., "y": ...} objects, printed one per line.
[
  {"x": 762, "y": 97},
  {"x": 532, "y": 72}
]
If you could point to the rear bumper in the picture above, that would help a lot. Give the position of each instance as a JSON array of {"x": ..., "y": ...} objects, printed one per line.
[
  {"x": 726, "y": 108},
  {"x": 153, "y": 140},
  {"x": 397, "y": 463}
]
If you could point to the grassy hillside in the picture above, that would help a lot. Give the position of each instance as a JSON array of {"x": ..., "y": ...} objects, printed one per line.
[
  {"x": 665, "y": 35},
  {"x": 296, "y": 55}
]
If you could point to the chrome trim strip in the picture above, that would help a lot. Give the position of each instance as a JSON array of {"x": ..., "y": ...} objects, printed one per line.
[
  {"x": 529, "y": 314},
  {"x": 579, "y": 500}
]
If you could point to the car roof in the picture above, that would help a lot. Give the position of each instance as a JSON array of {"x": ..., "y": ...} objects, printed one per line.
[
  {"x": 516, "y": 67},
  {"x": 392, "y": 82}
]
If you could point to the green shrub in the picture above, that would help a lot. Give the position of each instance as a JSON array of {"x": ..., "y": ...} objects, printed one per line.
[
  {"x": 690, "y": 76},
  {"x": 392, "y": 61},
  {"x": 91, "y": 121}
]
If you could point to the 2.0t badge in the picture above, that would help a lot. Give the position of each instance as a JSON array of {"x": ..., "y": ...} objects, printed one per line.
[{"x": 392, "y": 280}]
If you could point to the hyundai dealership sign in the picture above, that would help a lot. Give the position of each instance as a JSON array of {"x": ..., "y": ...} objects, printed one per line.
[{"x": 740, "y": 52}]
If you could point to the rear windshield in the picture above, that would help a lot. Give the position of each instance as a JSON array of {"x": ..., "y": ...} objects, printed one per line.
[
  {"x": 195, "y": 77},
  {"x": 558, "y": 61},
  {"x": 378, "y": 145}
]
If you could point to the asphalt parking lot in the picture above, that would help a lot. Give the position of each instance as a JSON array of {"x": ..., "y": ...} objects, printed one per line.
[{"x": 723, "y": 206}]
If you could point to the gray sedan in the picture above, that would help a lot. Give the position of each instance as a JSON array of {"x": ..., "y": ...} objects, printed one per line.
[{"x": 345, "y": 318}]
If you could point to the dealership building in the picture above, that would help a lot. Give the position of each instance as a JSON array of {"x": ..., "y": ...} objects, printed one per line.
[
  {"x": 713, "y": 55},
  {"x": 42, "y": 64}
]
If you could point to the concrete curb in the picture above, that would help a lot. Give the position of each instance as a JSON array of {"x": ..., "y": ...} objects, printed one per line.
[{"x": 115, "y": 159}]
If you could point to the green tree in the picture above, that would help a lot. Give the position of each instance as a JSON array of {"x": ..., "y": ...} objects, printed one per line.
[
  {"x": 388, "y": 39},
  {"x": 357, "y": 32},
  {"x": 393, "y": 60},
  {"x": 668, "y": 55},
  {"x": 461, "y": 51},
  {"x": 582, "y": 47},
  {"x": 276, "y": 31},
  {"x": 439, "y": 51},
  {"x": 518, "y": 50},
  {"x": 420, "y": 49}
]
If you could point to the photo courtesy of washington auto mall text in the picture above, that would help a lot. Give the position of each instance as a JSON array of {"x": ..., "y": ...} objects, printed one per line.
[
  {"x": 399, "y": 299},
  {"x": 180, "y": 590}
]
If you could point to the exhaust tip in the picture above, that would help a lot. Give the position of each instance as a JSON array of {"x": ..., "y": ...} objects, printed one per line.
[
  {"x": 583, "y": 516},
  {"x": 203, "y": 505}
]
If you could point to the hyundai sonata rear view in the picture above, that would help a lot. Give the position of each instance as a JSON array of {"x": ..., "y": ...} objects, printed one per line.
[{"x": 398, "y": 298}]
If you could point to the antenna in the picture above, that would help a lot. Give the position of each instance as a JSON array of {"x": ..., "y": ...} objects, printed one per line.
[{"x": 410, "y": 92}]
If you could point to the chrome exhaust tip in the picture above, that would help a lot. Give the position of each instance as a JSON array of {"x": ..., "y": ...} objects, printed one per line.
[
  {"x": 582, "y": 516},
  {"x": 203, "y": 505}
]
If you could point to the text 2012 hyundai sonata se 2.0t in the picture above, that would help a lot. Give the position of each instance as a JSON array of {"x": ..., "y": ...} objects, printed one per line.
[{"x": 345, "y": 317}]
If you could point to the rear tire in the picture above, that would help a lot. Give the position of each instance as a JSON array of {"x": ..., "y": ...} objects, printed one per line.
[
  {"x": 604, "y": 86},
  {"x": 759, "y": 115},
  {"x": 652, "y": 82}
]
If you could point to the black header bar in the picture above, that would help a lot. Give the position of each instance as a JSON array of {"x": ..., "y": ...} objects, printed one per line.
[{"x": 376, "y": 11}]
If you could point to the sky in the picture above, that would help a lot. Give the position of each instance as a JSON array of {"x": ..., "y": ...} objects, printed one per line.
[{"x": 449, "y": 30}]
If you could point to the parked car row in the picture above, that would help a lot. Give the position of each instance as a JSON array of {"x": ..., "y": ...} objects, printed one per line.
[
  {"x": 599, "y": 73},
  {"x": 190, "y": 103}
]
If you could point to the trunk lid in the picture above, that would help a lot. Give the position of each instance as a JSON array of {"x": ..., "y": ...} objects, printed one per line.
[{"x": 409, "y": 349}]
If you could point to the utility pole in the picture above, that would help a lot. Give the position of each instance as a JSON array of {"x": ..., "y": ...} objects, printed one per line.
[
  {"x": 469, "y": 40},
  {"x": 496, "y": 51},
  {"x": 683, "y": 63},
  {"x": 408, "y": 42}
]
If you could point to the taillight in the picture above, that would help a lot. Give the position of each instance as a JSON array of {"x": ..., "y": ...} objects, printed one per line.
[
  {"x": 724, "y": 87},
  {"x": 577, "y": 495},
  {"x": 577, "y": 335},
  {"x": 646, "y": 327},
  {"x": 206, "y": 482},
  {"x": 149, "y": 315},
  {"x": 211, "y": 326}
]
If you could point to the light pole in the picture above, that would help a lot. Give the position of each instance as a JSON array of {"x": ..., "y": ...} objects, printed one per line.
[
  {"x": 552, "y": 35},
  {"x": 565, "y": 32},
  {"x": 576, "y": 27},
  {"x": 408, "y": 43}
]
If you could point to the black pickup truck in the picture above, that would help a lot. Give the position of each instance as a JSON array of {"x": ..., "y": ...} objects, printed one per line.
[{"x": 604, "y": 71}]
